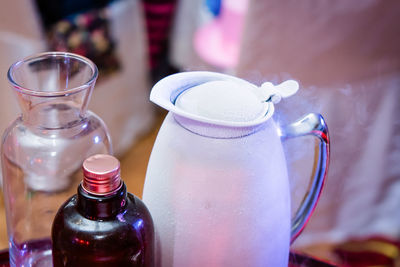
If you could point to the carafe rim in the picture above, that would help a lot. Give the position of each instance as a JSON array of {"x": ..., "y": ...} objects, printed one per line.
[{"x": 59, "y": 93}]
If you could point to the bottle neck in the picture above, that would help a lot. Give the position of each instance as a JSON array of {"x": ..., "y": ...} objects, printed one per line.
[{"x": 96, "y": 207}]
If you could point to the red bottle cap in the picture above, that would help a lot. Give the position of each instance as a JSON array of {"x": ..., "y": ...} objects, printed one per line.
[{"x": 101, "y": 174}]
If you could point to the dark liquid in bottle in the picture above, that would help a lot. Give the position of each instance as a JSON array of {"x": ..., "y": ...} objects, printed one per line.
[{"x": 103, "y": 231}]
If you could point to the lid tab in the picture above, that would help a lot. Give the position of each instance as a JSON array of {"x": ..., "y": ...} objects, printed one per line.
[{"x": 275, "y": 93}]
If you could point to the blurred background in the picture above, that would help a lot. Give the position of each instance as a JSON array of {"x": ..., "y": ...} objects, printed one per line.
[{"x": 345, "y": 55}]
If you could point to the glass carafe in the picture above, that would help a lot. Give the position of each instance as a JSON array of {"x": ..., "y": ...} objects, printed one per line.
[{"x": 43, "y": 149}]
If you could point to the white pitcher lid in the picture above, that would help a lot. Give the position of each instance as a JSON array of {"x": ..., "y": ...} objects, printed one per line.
[
  {"x": 222, "y": 101},
  {"x": 219, "y": 99}
]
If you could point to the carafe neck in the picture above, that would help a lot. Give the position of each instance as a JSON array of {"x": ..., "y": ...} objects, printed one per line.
[
  {"x": 53, "y": 89},
  {"x": 53, "y": 112}
]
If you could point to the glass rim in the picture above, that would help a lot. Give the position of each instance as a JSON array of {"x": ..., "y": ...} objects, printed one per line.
[{"x": 73, "y": 90}]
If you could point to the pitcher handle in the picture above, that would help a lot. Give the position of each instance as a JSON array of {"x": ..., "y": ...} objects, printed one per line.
[{"x": 311, "y": 124}]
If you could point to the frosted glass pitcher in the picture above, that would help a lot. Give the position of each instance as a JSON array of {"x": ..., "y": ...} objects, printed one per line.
[{"x": 217, "y": 183}]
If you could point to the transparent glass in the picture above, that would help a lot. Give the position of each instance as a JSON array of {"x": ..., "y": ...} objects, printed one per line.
[{"x": 43, "y": 149}]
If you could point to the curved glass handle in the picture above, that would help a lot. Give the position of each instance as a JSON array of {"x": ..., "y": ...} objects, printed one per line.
[{"x": 311, "y": 124}]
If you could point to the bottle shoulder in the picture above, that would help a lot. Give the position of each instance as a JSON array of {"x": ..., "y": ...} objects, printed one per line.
[
  {"x": 139, "y": 210},
  {"x": 132, "y": 217}
]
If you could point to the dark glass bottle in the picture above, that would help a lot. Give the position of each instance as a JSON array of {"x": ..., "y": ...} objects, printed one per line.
[{"x": 103, "y": 225}]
